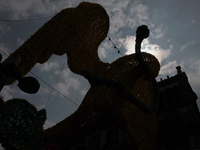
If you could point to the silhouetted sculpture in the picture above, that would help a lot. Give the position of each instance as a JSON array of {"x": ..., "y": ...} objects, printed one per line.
[{"x": 78, "y": 32}]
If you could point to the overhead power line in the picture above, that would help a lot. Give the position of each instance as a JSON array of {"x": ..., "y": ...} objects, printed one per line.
[
  {"x": 4, "y": 52},
  {"x": 7, "y": 93},
  {"x": 55, "y": 82},
  {"x": 34, "y": 19},
  {"x": 25, "y": 20},
  {"x": 54, "y": 89},
  {"x": 49, "y": 85},
  {"x": 57, "y": 5}
]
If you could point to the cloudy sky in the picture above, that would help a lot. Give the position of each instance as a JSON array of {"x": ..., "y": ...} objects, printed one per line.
[{"x": 174, "y": 40}]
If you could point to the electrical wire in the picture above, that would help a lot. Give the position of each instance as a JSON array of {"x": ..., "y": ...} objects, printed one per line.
[
  {"x": 114, "y": 46},
  {"x": 65, "y": 102},
  {"x": 54, "y": 89},
  {"x": 56, "y": 82},
  {"x": 78, "y": 89},
  {"x": 61, "y": 92},
  {"x": 47, "y": 125},
  {"x": 7, "y": 92},
  {"x": 4, "y": 52},
  {"x": 57, "y": 5},
  {"x": 49, "y": 85},
  {"x": 57, "y": 112},
  {"x": 36, "y": 19}
]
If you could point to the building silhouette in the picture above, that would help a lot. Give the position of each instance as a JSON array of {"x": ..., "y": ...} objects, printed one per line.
[
  {"x": 178, "y": 115},
  {"x": 178, "y": 121}
]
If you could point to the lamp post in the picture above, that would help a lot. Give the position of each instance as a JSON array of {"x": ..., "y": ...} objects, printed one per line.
[{"x": 26, "y": 84}]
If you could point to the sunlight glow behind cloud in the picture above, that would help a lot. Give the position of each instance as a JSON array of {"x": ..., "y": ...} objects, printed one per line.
[{"x": 154, "y": 49}]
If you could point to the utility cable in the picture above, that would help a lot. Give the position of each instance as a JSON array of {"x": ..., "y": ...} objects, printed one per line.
[
  {"x": 78, "y": 90},
  {"x": 54, "y": 89},
  {"x": 57, "y": 112},
  {"x": 4, "y": 52},
  {"x": 55, "y": 83},
  {"x": 7, "y": 92},
  {"x": 26, "y": 20},
  {"x": 49, "y": 85},
  {"x": 47, "y": 125},
  {"x": 114, "y": 46},
  {"x": 57, "y": 5},
  {"x": 61, "y": 92}
]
